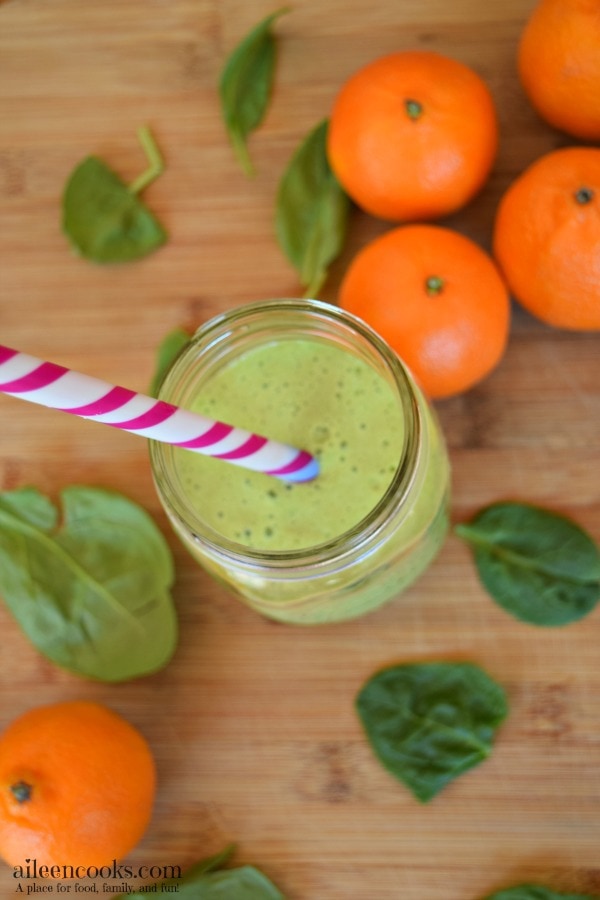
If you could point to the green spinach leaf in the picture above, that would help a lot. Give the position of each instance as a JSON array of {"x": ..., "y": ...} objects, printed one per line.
[
  {"x": 91, "y": 592},
  {"x": 534, "y": 892},
  {"x": 243, "y": 883},
  {"x": 104, "y": 219},
  {"x": 429, "y": 722},
  {"x": 168, "y": 349},
  {"x": 539, "y": 566},
  {"x": 210, "y": 863},
  {"x": 204, "y": 882},
  {"x": 312, "y": 212},
  {"x": 245, "y": 86}
]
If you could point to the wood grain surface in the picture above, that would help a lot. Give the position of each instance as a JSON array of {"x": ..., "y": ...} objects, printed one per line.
[{"x": 252, "y": 723}]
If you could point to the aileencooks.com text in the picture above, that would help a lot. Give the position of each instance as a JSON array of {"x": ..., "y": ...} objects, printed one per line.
[{"x": 117, "y": 871}]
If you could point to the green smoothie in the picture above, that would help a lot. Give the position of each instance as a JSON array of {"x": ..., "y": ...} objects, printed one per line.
[
  {"x": 306, "y": 374},
  {"x": 311, "y": 395}
]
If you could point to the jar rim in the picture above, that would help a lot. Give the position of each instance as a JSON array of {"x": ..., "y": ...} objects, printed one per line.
[{"x": 220, "y": 328}]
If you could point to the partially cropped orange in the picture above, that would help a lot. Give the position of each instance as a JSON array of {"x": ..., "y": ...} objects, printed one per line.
[
  {"x": 413, "y": 136},
  {"x": 437, "y": 298},
  {"x": 77, "y": 785},
  {"x": 559, "y": 65},
  {"x": 547, "y": 238}
]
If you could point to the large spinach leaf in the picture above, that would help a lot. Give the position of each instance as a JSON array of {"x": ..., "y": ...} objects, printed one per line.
[
  {"x": 91, "y": 592},
  {"x": 429, "y": 722},
  {"x": 539, "y": 566}
]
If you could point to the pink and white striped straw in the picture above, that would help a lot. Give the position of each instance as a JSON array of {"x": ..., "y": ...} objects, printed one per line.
[{"x": 81, "y": 395}]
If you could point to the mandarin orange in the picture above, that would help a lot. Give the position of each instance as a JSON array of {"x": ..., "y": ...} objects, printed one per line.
[
  {"x": 437, "y": 298},
  {"x": 559, "y": 65},
  {"x": 547, "y": 238},
  {"x": 77, "y": 785},
  {"x": 413, "y": 135}
]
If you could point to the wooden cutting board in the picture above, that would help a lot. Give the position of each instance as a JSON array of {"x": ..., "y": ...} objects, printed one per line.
[{"x": 252, "y": 723}]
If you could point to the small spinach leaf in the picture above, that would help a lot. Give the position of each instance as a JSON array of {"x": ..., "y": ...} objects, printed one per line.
[
  {"x": 210, "y": 863},
  {"x": 312, "y": 212},
  {"x": 245, "y": 86},
  {"x": 204, "y": 882},
  {"x": 534, "y": 892},
  {"x": 430, "y": 722},
  {"x": 168, "y": 349},
  {"x": 243, "y": 883},
  {"x": 92, "y": 592},
  {"x": 104, "y": 219},
  {"x": 539, "y": 566}
]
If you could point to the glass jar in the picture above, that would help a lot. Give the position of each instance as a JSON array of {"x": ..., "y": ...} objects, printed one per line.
[{"x": 358, "y": 564}]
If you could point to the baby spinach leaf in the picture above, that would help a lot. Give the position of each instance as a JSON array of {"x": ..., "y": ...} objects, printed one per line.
[
  {"x": 104, "y": 219},
  {"x": 538, "y": 565},
  {"x": 91, "y": 592},
  {"x": 245, "y": 86},
  {"x": 204, "y": 882},
  {"x": 31, "y": 506},
  {"x": 210, "y": 863},
  {"x": 312, "y": 212},
  {"x": 429, "y": 722},
  {"x": 534, "y": 892},
  {"x": 243, "y": 883},
  {"x": 168, "y": 349}
]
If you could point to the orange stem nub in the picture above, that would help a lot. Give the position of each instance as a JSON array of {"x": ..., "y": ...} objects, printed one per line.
[
  {"x": 434, "y": 285},
  {"x": 584, "y": 195},
  {"x": 21, "y": 791},
  {"x": 413, "y": 108}
]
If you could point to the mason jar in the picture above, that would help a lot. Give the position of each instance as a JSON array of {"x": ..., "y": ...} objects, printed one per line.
[{"x": 308, "y": 374}]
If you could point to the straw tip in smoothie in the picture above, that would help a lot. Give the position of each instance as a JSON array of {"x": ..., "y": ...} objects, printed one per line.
[{"x": 308, "y": 472}]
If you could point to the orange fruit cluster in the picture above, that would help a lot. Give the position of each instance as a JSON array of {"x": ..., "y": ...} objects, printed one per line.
[
  {"x": 77, "y": 785},
  {"x": 412, "y": 138}
]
